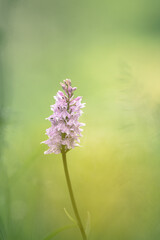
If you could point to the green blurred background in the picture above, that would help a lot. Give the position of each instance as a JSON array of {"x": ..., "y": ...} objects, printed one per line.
[{"x": 111, "y": 52}]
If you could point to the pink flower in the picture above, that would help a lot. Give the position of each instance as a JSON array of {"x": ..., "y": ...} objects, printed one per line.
[{"x": 65, "y": 126}]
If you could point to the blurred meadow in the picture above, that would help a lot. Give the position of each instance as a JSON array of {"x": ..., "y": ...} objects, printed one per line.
[{"x": 111, "y": 52}]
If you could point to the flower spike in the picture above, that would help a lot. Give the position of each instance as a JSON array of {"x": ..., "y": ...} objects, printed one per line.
[{"x": 65, "y": 126}]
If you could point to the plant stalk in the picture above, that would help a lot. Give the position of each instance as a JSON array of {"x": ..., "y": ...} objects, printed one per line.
[{"x": 79, "y": 222}]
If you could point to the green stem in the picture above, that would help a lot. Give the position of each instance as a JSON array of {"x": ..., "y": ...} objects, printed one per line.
[{"x": 71, "y": 194}]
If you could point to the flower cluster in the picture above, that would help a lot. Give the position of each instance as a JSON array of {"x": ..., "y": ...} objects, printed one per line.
[{"x": 65, "y": 130}]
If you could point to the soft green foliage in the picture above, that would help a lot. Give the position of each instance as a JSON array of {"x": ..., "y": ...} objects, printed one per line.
[
  {"x": 54, "y": 234},
  {"x": 111, "y": 51}
]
